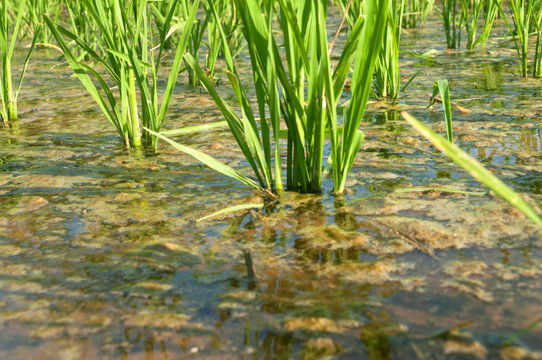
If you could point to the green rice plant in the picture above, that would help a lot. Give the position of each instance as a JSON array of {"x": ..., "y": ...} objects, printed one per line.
[
  {"x": 471, "y": 10},
  {"x": 82, "y": 26},
  {"x": 451, "y": 21},
  {"x": 9, "y": 31},
  {"x": 229, "y": 23},
  {"x": 298, "y": 92},
  {"x": 387, "y": 76},
  {"x": 36, "y": 9},
  {"x": 351, "y": 138},
  {"x": 491, "y": 9},
  {"x": 525, "y": 16},
  {"x": 126, "y": 35},
  {"x": 475, "y": 169},
  {"x": 537, "y": 20},
  {"x": 441, "y": 87},
  {"x": 416, "y": 12},
  {"x": 352, "y": 10},
  {"x": 214, "y": 42},
  {"x": 195, "y": 39}
]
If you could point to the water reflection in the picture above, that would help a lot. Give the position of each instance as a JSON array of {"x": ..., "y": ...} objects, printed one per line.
[
  {"x": 388, "y": 117},
  {"x": 505, "y": 152},
  {"x": 278, "y": 345}
]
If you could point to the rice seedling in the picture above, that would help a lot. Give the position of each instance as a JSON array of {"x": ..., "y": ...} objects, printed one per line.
[
  {"x": 82, "y": 26},
  {"x": 537, "y": 63},
  {"x": 475, "y": 169},
  {"x": 471, "y": 10},
  {"x": 299, "y": 92},
  {"x": 195, "y": 39},
  {"x": 387, "y": 76},
  {"x": 226, "y": 11},
  {"x": 416, "y": 12},
  {"x": 9, "y": 32},
  {"x": 526, "y": 16},
  {"x": 128, "y": 59},
  {"x": 36, "y": 9},
  {"x": 451, "y": 22},
  {"x": 491, "y": 9},
  {"x": 441, "y": 87}
]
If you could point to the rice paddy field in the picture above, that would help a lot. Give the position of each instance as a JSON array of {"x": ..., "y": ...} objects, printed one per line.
[{"x": 400, "y": 254}]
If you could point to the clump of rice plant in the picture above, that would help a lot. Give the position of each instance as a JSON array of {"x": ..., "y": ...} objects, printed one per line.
[
  {"x": 10, "y": 27},
  {"x": 82, "y": 26},
  {"x": 229, "y": 23},
  {"x": 128, "y": 59},
  {"x": 416, "y": 12},
  {"x": 526, "y": 18},
  {"x": 387, "y": 76},
  {"x": 195, "y": 39},
  {"x": 471, "y": 10},
  {"x": 451, "y": 21},
  {"x": 297, "y": 94},
  {"x": 35, "y": 10}
]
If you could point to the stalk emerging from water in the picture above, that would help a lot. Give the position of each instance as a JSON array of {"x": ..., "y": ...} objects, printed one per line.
[
  {"x": 298, "y": 92},
  {"x": 8, "y": 37},
  {"x": 526, "y": 17},
  {"x": 128, "y": 59}
]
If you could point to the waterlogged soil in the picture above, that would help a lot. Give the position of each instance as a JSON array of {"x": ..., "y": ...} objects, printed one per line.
[{"x": 101, "y": 255}]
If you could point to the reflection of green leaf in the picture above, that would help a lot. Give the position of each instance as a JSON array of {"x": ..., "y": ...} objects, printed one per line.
[
  {"x": 445, "y": 190},
  {"x": 521, "y": 332},
  {"x": 194, "y": 129},
  {"x": 208, "y": 160},
  {"x": 452, "y": 331},
  {"x": 231, "y": 209},
  {"x": 475, "y": 169}
]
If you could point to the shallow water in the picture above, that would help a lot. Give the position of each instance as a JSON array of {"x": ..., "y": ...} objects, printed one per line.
[{"x": 101, "y": 256}]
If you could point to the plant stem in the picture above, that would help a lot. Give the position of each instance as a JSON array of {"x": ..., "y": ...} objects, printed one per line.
[{"x": 136, "y": 134}]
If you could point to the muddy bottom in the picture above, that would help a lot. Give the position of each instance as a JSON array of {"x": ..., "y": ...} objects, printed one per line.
[{"x": 101, "y": 255}]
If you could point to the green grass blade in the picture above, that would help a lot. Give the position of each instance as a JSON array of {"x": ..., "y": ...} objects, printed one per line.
[
  {"x": 375, "y": 12},
  {"x": 231, "y": 209},
  {"x": 441, "y": 86},
  {"x": 26, "y": 60},
  {"x": 177, "y": 62},
  {"x": 234, "y": 122},
  {"x": 511, "y": 339},
  {"x": 347, "y": 57},
  {"x": 475, "y": 169},
  {"x": 209, "y": 161},
  {"x": 18, "y": 21},
  {"x": 80, "y": 43},
  {"x": 194, "y": 129}
]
